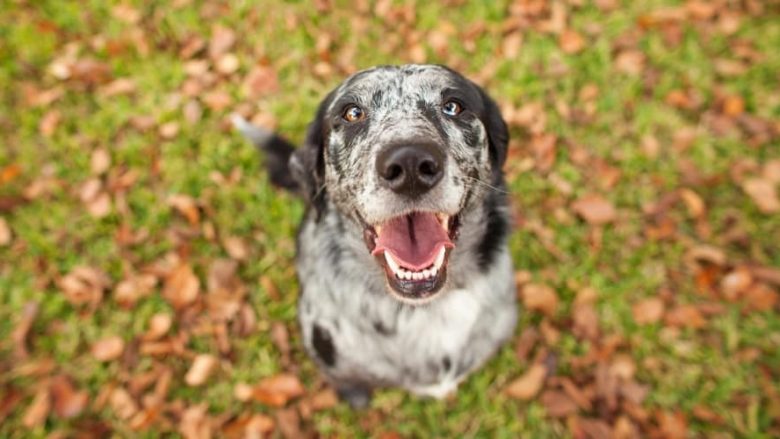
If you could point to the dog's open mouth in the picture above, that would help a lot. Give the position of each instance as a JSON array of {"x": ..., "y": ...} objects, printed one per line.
[{"x": 414, "y": 250}]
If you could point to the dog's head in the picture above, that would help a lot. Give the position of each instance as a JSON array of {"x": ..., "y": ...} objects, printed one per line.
[{"x": 405, "y": 152}]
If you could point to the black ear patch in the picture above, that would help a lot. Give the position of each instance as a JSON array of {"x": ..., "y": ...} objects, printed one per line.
[
  {"x": 498, "y": 135},
  {"x": 307, "y": 163},
  {"x": 323, "y": 344}
]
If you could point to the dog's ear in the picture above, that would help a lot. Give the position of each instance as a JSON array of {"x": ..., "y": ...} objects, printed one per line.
[
  {"x": 498, "y": 134},
  {"x": 307, "y": 163}
]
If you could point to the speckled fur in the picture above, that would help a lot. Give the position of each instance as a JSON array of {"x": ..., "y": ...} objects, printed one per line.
[{"x": 361, "y": 336}]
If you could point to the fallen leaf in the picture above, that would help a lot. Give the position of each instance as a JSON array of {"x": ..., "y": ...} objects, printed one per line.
[
  {"x": 760, "y": 297},
  {"x": 49, "y": 122},
  {"x": 200, "y": 370},
  {"x": 135, "y": 287},
  {"x": 763, "y": 193},
  {"x": 324, "y": 399},
  {"x": 169, "y": 130},
  {"x": 557, "y": 404},
  {"x": 571, "y": 41},
  {"x": 222, "y": 40},
  {"x": 100, "y": 161},
  {"x": 159, "y": 325},
  {"x": 118, "y": 87},
  {"x": 186, "y": 206},
  {"x": 289, "y": 423},
  {"x": 84, "y": 285},
  {"x": 227, "y": 64},
  {"x": 685, "y": 316},
  {"x": 631, "y": 62},
  {"x": 108, "y": 349},
  {"x": 648, "y": 311},
  {"x": 67, "y": 401},
  {"x": 5, "y": 233},
  {"x": 181, "y": 287},
  {"x": 11, "y": 397},
  {"x": 693, "y": 202},
  {"x": 38, "y": 410},
  {"x": 195, "y": 422},
  {"x": 735, "y": 283},
  {"x": 672, "y": 425},
  {"x": 277, "y": 390},
  {"x": 236, "y": 248},
  {"x": 538, "y": 297},
  {"x": 122, "y": 403},
  {"x": 261, "y": 80},
  {"x": 594, "y": 209},
  {"x": 22, "y": 329},
  {"x": 529, "y": 384},
  {"x": 259, "y": 426}
]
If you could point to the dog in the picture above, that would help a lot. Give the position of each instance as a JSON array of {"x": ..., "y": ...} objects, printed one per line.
[{"x": 402, "y": 257}]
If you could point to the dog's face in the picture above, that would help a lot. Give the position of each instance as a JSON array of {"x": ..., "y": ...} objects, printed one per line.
[{"x": 405, "y": 152}]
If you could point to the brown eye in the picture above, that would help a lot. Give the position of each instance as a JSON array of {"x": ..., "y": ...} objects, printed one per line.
[
  {"x": 451, "y": 108},
  {"x": 353, "y": 113}
]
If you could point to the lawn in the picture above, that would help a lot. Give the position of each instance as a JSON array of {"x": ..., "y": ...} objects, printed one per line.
[{"x": 147, "y": 285}]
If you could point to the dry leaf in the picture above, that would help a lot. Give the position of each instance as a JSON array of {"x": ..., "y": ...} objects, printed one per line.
[
  {"x": 181, "y": 286},
  {"x": 735, "y": 283},
  {"x": 201, "y": 369},
  {"x": 186, "y": 206},
  {"x": 261, "y": 81},
  {"x": 557, "y": 404},
  {"x": 227, "y": 64},
  {"x": 108, "y": 349},
  {"x": 595, "y": 209},
  {"x": 648, "y": 311},
  {"x": 236, "y": 248},
  {"x": 195, "y": 422},
  {"x": 67, "y": 401},
  {"x": 685, "y": 316},
  {"x": 38, "y": 410},
  {"x": 123, "y": 405},
  {"x": 259, "y": 426},
  {"x": 277, "y": 390},
  {"x": 539, "y": 297},
  {"x": 118, "y": 87},
  {"x": 529, "y": 384},
  {"x": 100, "y": 161},
  {"x": 763, "y": 193},
  {"x": 159, "y": 325},
  {"x": 631, "y": 62},
  {"x": 222, "y": 40},
  {"x": 84, "y": 285},
  {"x": 134, "y": 288},
  {"x": 49, "y": 123},
  {"x": 760, "y": 297},
  {"x": 22, "y": 329},
  {"x": 571, "y": 41},
  {"x": 672, "y": 425},
  {"x": 5, "y": 232}
]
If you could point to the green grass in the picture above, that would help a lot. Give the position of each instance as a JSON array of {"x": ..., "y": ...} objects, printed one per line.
[{"x": 53, "y": 233}]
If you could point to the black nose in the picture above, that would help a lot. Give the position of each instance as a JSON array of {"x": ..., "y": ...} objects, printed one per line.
[{"x": 410, "y": 170}]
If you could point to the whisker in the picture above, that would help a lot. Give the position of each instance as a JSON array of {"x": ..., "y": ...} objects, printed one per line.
[{"x": 489, "y": 186}]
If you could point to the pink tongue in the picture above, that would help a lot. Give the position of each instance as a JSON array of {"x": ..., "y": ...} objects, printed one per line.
[{"x": 414, "y": 240}]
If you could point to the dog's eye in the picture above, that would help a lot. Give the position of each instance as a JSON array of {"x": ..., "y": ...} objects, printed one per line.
[
  {"x": 451, "y": 108},
  {"x": 353, "y": 113}
]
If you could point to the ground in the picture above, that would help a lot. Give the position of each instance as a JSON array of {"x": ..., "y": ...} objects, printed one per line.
[{"x": 146, "y": 277}]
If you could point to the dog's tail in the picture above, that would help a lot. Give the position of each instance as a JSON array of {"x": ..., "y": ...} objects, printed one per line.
[{"x": 276, "y": 149}]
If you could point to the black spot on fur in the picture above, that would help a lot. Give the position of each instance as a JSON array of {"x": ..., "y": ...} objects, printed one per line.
[
  {"x": 323, "y": 344},
  {"x": 380, "y": 328},
  {"x": 495, "y": 232},
  {"x": 376, "y": 98}
]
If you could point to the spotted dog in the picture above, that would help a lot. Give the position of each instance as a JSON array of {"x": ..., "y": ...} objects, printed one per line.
[{"x": 402, "y": 258}]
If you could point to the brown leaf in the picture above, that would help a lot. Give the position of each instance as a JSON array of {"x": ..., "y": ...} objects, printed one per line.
[
  {"x": 118, "y": 87},
  {"x": 159, "y": 325},
  {"x": 277, "y": 390},
  {"x": 227, "y": 64},
  {"x": 672, "y": 425},
  {"x": 289, "y": 423},
  {"x": 693, "y": 202},
  {"x": 543, "y": 146},
  {"x": 236, "y": 247},
  {"x": 261, "y": 80},
  {"x": 685, "y": 316},
  {"x": 5, "y": 232},
  {"x": 540, "y": 297},
  {"x": 631, "y": 62},
  {"x": 11, "y": 397},
  {"x": 84, "y": 285},
  {"x": 760, "y": 297},
  {"x": 126, "y": 13},
  {"x": 169, "y": 130},
  {"x": 733, "y": 105},
  {"x": 324, "y": 399},
  {"x": 181, "y": 286},
  {"x": 529, "y": 384},
  {"x": 38, "y": 410},
  {"x": 49, "y": 122},
  {"x": 100, "y": 161},
  {"x": 123, "y": 405},
  {"x": 259, "y": 426},
  {"x": 108, "y": 349},
  {"x": 200, "y": 370},
  {"x": 648, "y": 311},
  {"x": 735, "y": 283},
  {"x": 525, "y": 343},
  {"x": 586, "y": 322},
  {"x": 558, "y": 404},
  {"x": 595, "y": 209},
  {"x": 511, "y": 44},
  {"x": 134, "y": 288},
  {"x": 763, "y": 193},
  {"x": 195, "y": 422},
  {"x": 22, "y": 329},
  {"x": 571, "y": 41},
  {"x": 68, "y": 402},
  {"x": 186, "y": 206},
  {"x": 222, "y": 40}
]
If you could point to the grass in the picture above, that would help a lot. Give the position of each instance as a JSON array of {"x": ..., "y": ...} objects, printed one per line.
[{"x": 53, "y": 233}]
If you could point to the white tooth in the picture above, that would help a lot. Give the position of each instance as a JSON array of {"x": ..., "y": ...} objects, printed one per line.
[
  {"x": 426, "y": 274},
  {"x": 391, "y": 263},
  {"x": 445, "y": 222},
  {"x": 434, "y": 270},
  {"x": 440, "y": 258},
  {"x": 407, "y": 275},
  {"x": 418, "y": 276}
]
